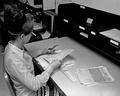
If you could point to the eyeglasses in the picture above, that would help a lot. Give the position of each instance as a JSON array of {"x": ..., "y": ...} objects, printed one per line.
[{"x": 33, "y": 33}]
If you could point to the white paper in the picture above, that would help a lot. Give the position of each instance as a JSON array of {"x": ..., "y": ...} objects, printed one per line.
[
  {"x": 70, "y": 76},
  {"x": 94, "y": 75},
  {"x": 45, "y": 60},
  {"x": 58, "y": 56}
]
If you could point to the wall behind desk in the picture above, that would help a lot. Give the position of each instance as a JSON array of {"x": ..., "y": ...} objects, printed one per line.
[
  {"x": 53, "y": 4},
  {"x": 112, "y": 6},
  {"x": 48, "y": 4}
]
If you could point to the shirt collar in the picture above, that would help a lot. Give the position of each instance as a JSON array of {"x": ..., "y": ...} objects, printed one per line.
[{"x": 15, "y": 49}]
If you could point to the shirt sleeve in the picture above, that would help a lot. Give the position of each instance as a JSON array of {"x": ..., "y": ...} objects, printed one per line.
[{"x": 26, "y": 77}]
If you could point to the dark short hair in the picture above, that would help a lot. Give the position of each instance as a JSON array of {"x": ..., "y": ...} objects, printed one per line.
[{"x": 14, "y": 19}]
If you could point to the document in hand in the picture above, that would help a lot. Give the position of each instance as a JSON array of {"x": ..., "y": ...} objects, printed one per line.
[
  {"x": 94, "y": 75},
  {"x": 45, "y": 60}
]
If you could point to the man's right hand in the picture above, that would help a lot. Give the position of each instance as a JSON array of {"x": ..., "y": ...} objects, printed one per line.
[{"x": 56, "y": 64}]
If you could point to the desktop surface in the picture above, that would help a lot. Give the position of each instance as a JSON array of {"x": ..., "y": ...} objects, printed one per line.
[{"x": 84, "y": 58}]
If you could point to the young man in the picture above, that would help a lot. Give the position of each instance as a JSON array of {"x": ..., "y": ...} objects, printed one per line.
[{"x": 17, "y": 62}]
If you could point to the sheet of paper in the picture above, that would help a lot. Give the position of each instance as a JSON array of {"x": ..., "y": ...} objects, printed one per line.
[
  {"x": 70, "y": 76},
  {"x": 94, "y": 75},
  {"x": 58, "y": 56},
  {"x": 45, "y": 60},
  {"x": 67, "y": 65},
  {"x": 42, "y": 62}
]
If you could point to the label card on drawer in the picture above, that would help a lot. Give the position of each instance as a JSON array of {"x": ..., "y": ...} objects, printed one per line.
[
  {"x": 114, "y": 42},
  {"x": 81, "y": 27},
  {"x": 65, "y": 20},
  {"x": 81, "y": 6},
  {"x": 93, "y": 33},
  {"x": 84, "y": 34}
]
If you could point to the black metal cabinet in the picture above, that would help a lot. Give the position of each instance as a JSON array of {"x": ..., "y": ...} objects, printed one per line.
[
  {"x": 73, "y": 19},
  {"x": 84, "y": 24}
]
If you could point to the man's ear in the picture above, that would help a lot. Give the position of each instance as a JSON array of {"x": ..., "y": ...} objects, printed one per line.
[{"x": 22, "y": 35}]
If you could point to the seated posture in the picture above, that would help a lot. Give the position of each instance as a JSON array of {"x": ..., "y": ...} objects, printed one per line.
[{"x": 17, "y": 62}]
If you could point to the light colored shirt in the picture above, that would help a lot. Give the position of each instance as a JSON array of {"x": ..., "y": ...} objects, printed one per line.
[{"x": 19, "y": 65}]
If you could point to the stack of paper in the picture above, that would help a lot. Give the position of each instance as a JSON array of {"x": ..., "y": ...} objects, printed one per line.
[{"x": 94, "y": 75}]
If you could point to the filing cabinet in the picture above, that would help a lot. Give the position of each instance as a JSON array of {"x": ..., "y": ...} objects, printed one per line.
[
  {"x": 85, "y": 25},
  {"x": 71, "y": 17}
]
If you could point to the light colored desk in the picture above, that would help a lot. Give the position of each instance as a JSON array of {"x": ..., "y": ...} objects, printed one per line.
[{"x": 84, "y": 58}]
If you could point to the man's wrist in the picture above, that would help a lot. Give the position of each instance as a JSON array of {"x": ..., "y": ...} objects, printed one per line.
[{"x": 50, "y": 69}]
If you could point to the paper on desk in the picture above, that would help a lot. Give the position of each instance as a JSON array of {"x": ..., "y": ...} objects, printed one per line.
[
  {"x": 70, "y": 76},
  {"x": 45, "y": 60},
  {"x": 67, "y": 63},
  {"x": 42, "y": 62},
  {"x": 94, "y": 75},
  {"x": 57, "y": 56}
]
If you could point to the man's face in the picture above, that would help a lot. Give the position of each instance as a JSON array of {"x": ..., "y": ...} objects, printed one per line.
[{"x": 28, "y": 27}]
